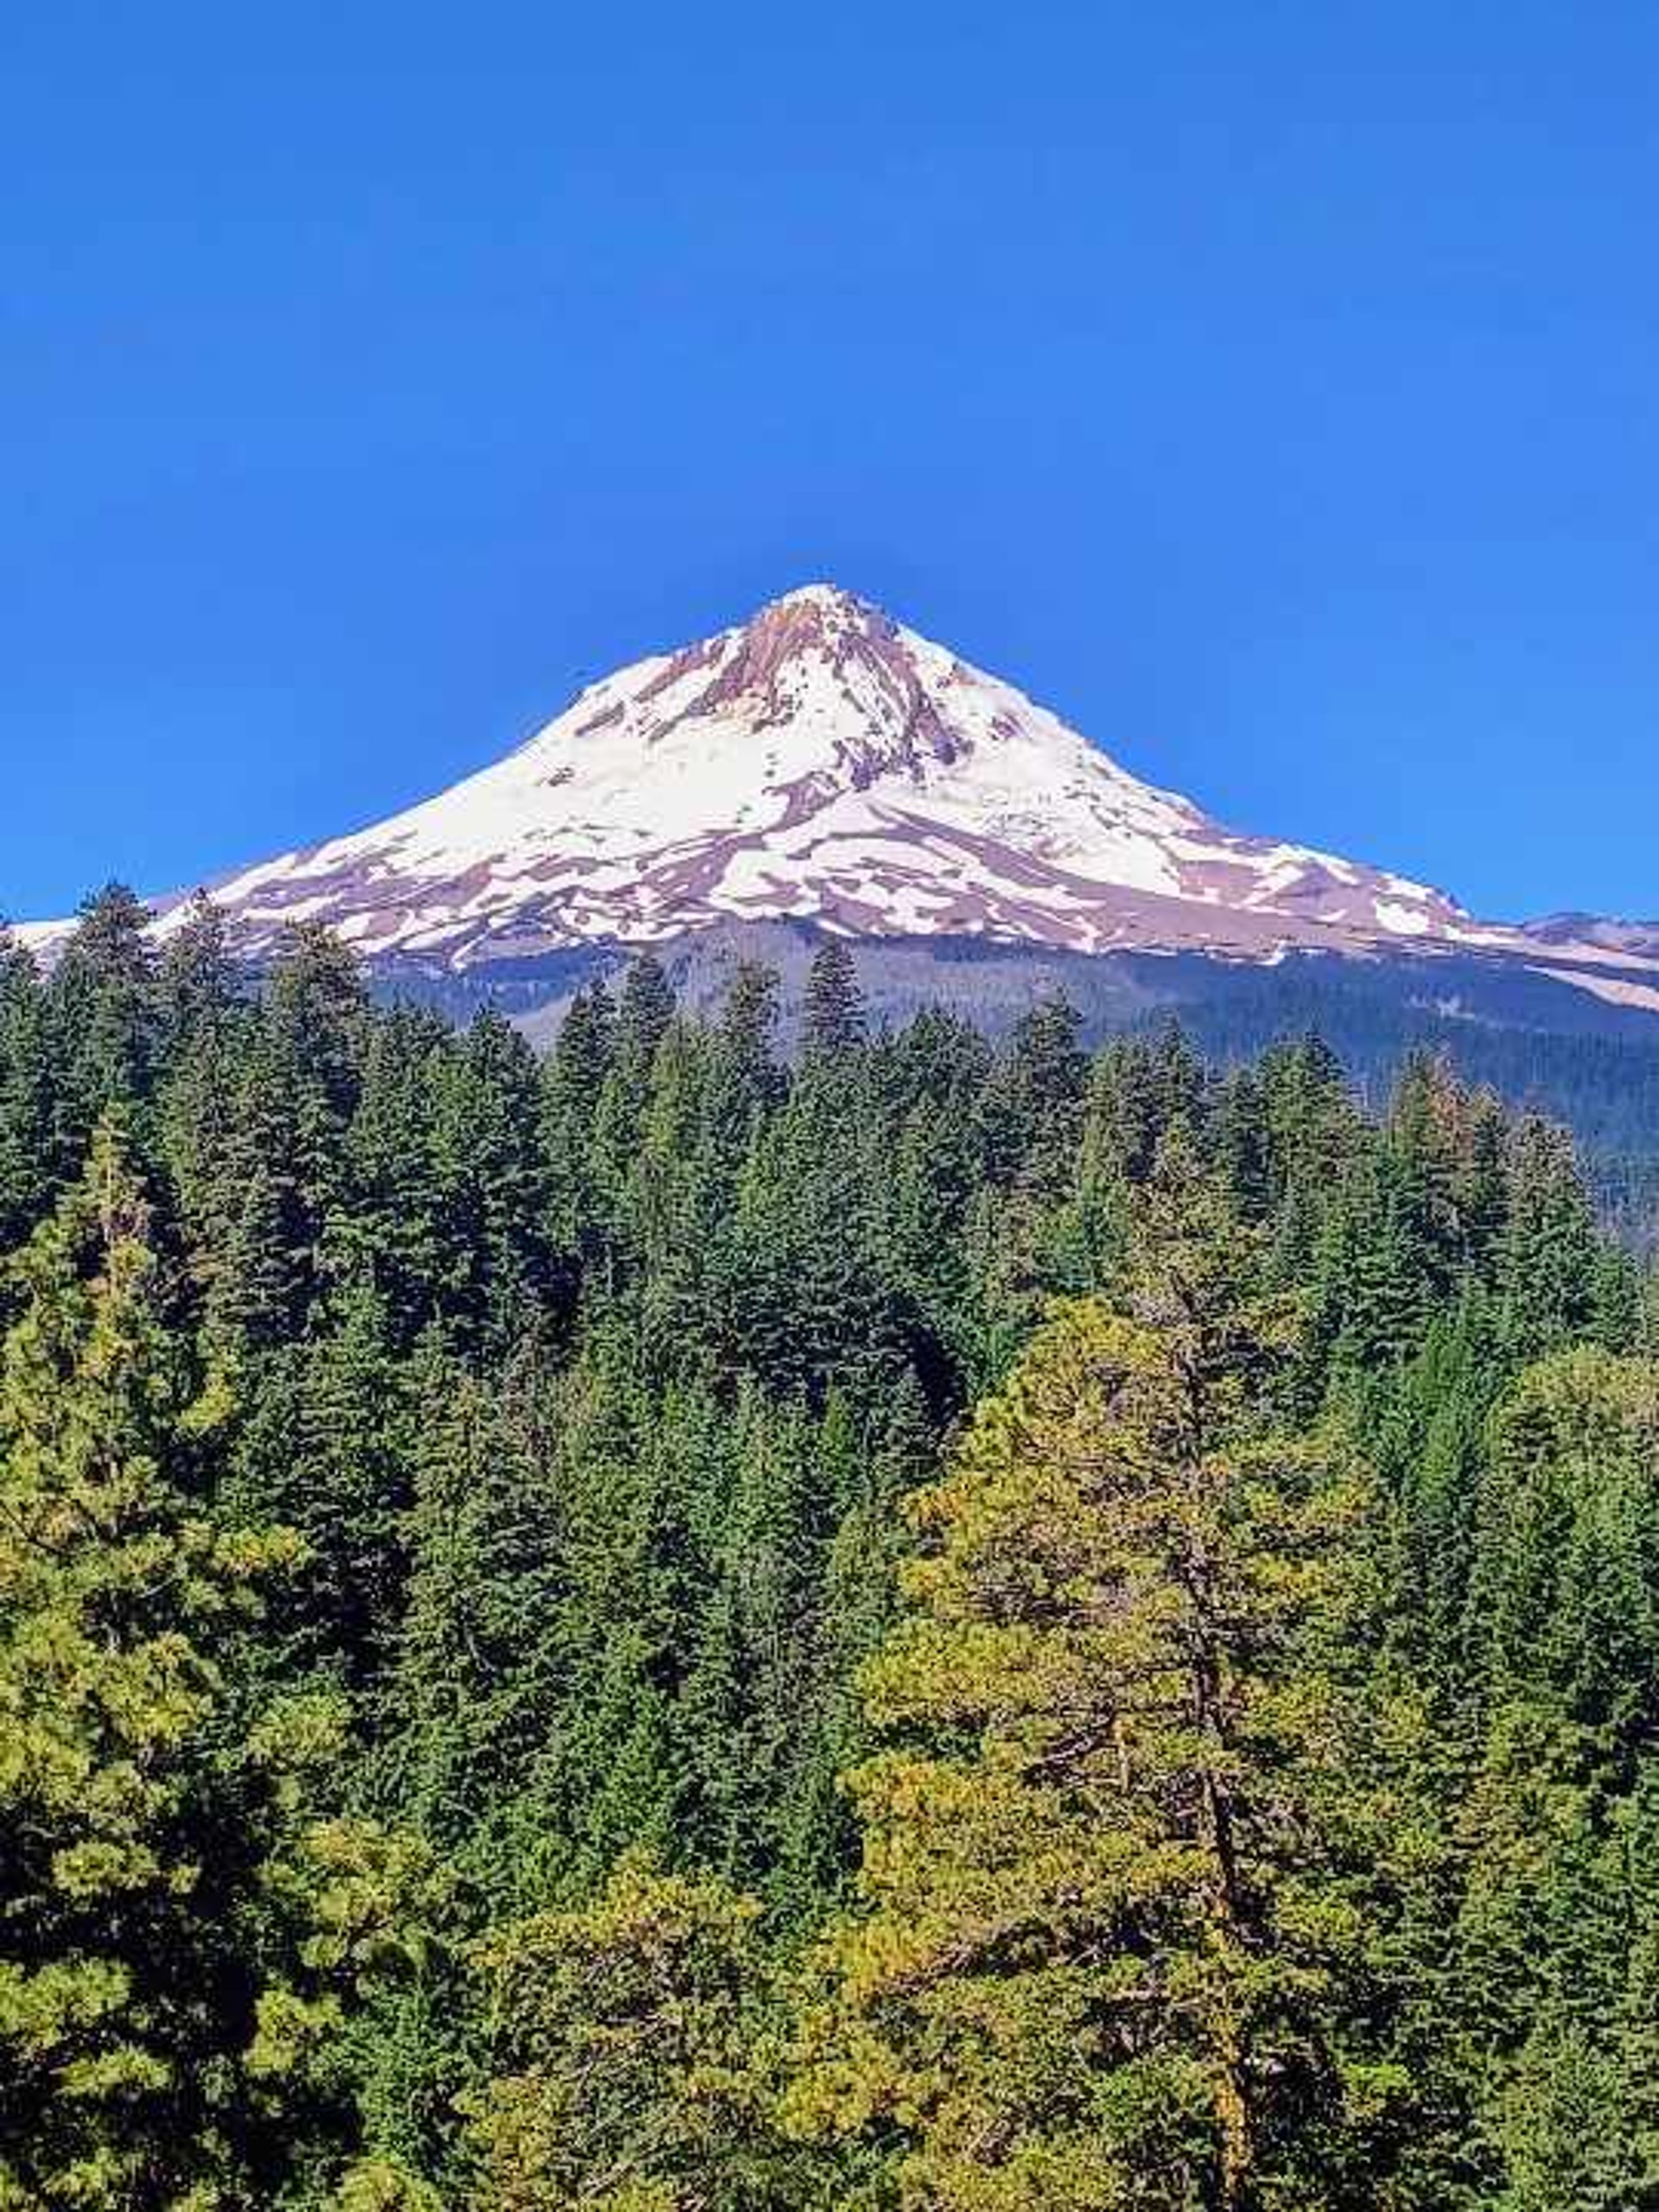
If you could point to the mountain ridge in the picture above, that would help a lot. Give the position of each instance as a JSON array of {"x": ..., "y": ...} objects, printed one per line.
[{"x": 821, "y": 763}]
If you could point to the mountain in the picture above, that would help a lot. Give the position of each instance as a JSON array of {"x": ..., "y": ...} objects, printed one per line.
[
  {"x": 824, "y": 766},
  {"x": 1641, "y": 938}
]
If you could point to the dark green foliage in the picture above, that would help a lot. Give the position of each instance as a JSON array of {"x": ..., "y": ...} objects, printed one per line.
[
  {"x": 106, "y": 1006},
  {"x": 30, "y": 1157},
  {"x": 451, "y": 1502},
  {"x": 832, "y": 1007}
]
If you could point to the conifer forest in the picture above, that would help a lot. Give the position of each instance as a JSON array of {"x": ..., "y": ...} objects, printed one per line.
[{"x": 911, "y": 1623}]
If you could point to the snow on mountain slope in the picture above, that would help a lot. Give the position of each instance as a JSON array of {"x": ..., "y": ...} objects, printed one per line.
[
  {"x": 822, "y": 762},
  {"x": 1640, "y": 939}
]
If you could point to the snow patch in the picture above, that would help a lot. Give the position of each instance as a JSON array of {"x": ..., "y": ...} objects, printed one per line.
[{"x": 817, "y": 761}]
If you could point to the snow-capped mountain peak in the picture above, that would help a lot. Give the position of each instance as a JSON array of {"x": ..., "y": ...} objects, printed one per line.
[{"x": 820, "y": 761}]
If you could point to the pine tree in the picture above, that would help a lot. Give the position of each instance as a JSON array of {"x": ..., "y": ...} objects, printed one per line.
[
  {"x": 198, "y": 983},
  {"x": 1242, "y": 1143},
  {"x": 752, "y": 1688},
  {"x": 259, "y": 1215},
  {"x": 132, "y": 1833},
  {"x": 280, "y": 1174},
  {"x": 206, "y": 1021},
  {"x": 1373, "y": 1279},
  {"x": 746, "y": 1082},
  {"x": 1431, "y": 1450},
  {"x": 612, "y": 1771},
  {"x": 868, "y": 1476},
  {"x": 1099, "y": 1947},
  {"x": 624, "y": 2063},
  {"x": 1317, "y": 1136}
]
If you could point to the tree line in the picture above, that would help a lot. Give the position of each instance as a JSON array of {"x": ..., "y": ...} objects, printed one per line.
[{"x": 929, "y": 1626}]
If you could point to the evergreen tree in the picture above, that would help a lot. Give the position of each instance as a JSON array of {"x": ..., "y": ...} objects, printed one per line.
[
  {"x": 1036, "y": 1101},
  {"x": 832, "y": 1007},
  {"x": 645, "y": 1011},
  {"x": 746, "y": 1082},
  {"x": 132, "y": 1832},
  {"x": 327, "y": 1447},
  {"x": 612, "y": 1773},
  {"x": 1547, "y": 1256},
  {"x": 475, "y": 1693},
  {"x": 623, "y": 2060},
  {"x": 494, "y": 1198},
  {"x": 388, "y": 1234},
  {"x": 574, "y": 1083},
  {"x": 282, "y": 1173},
  {"x": 1097, "y": 1836},
  {"x": 206, "y": 1021},
  {"x": 199, "y": 984},
  {"x": 30, "y": 1159},
  {"x": 104, "y": 1010}
]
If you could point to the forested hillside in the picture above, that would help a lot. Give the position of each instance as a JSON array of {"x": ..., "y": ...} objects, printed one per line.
[{"x": 939, "y": 1627}]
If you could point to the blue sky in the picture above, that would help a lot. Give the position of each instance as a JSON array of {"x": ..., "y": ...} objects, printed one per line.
[{"x": 1272, "y": 389}]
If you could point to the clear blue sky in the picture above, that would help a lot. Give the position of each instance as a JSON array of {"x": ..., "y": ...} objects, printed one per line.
[{"x": 1272, "y": 388}]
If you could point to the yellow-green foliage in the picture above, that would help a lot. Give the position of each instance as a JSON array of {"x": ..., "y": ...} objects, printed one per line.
[
  {"x": 113, "y": 1588},
  {"x": 1092, "y": 1951},
  {"x": 622, "y": 2037}
]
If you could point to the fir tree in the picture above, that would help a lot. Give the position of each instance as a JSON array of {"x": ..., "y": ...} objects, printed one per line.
[
  {"x": 105, "y": 1003},
  {"x": 30, "y": 1158},
  {"x": 832, "y": 1006}
]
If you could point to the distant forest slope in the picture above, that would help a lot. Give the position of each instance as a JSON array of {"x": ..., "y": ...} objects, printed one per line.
[{"x": 1543, "y": 1045}]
